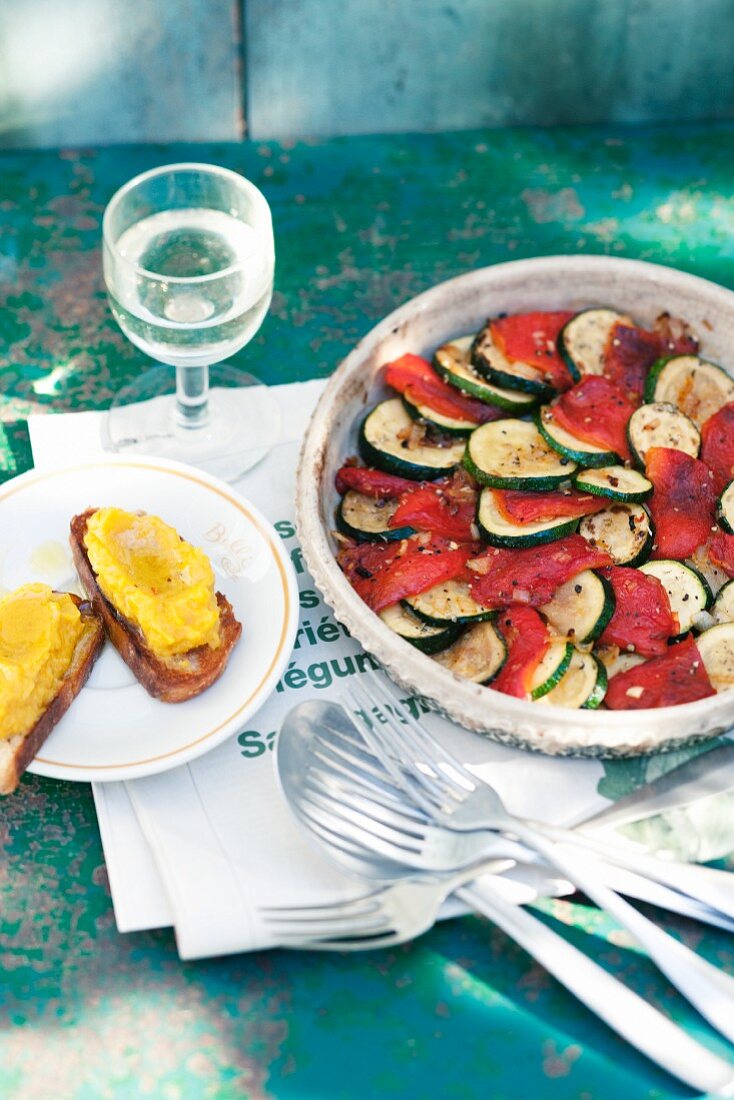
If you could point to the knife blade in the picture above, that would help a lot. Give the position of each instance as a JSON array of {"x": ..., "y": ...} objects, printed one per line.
[{"x": 708, "y": 774}]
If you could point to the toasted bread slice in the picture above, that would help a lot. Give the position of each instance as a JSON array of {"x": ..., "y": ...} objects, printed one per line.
[
  {"x": 170, "y": 681},
  {"x": 17, "y": 752}
]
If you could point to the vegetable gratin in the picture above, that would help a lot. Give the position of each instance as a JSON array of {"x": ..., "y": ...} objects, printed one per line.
[{"x": 548, "y": 508}]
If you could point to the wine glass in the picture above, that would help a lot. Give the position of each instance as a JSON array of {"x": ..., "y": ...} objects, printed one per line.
[{"x": 188, "y": 262}]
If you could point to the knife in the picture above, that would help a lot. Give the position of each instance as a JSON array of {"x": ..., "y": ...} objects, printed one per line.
[{"x": 707, "y": 774}]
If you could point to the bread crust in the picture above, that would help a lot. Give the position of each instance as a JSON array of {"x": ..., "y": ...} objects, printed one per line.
[
  {"x": 17, "y": 752},
  {"x": 197, "y": 670}
]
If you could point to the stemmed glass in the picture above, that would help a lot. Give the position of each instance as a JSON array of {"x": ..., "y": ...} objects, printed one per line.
[{"x": 188, "y": 262}]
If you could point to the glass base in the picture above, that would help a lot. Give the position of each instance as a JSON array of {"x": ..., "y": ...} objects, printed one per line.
[{"x": 242, "y": 425}]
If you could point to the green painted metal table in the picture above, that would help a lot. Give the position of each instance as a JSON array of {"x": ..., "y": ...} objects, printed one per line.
[{"x": 361, "y": 225}]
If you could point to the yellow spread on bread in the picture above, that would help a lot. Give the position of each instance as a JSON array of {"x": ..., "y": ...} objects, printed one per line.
[
  {"x": 157, "y": 581},
  {"x": 39, "y": 632}
]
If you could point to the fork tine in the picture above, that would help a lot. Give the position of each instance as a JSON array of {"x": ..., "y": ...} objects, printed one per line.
[
  {"x": 362, "y": 798},
  {"x": 386, "y": 842},
  {"x": 448, "y": 771},
  {"x": 334, "y": 760},
  {"x": 360, "y": 814},
  {"x": 331, "y": 928},
  {"x": 430, "y": 747},
  {"x": 336, "y": 840},
  {"x": 393, "y": 734},
  {"x": 364, "y": 905},
  {"x": 344, "y": 785},
  {"x": 388, "y": 746}
]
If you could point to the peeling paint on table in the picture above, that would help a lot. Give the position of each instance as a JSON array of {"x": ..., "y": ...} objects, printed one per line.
[{"x": 361, "y": 225}]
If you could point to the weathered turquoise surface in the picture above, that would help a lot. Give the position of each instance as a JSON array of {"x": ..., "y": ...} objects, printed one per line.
[
  {"x": 97, "y": 72},
  {"x": 362, "y": 224},
  {"x": 205, "y": 70},
  {"x": 362, "y": 66}
]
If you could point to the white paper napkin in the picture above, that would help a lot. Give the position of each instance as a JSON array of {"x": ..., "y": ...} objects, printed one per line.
[{"x": 207, "y": 845}]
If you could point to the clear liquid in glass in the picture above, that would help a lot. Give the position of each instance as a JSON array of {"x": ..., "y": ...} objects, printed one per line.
[{"x": 191, "y": 323}]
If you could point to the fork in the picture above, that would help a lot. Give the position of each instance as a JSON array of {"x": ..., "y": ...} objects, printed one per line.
[
  {"x": 713, "y": 888},
  {"x": 451, "y": 796},
  {"x": 395, "y": 913},
  {"x": 400, "y": 912},
  {"x": 336, "y": 783}
]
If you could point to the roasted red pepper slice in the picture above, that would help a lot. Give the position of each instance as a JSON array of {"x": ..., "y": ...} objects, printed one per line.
[
  {"x": 717, "y": 446},
  {"x": 416, "y": 378},
  {"x": 683, "y": 503},
  {"x": 532, "y": 338},
  {"x": 531, "y": 575},
  {"x": 517, "y": 507},
  {"x": 678, "y": 676},
  {"x": 642, "y": 620},
  {"x": 596, "y": 411},
  {"x": 527, "y": 639},
  {"x": 372, "y": 483},
  {"x": 383, "y": 573},
  {"x": 674, "y": 335},
  {"x": 628, "y": 356},
  {"x": 429, "y": 508},
  {"x": 721, "y": 552}
]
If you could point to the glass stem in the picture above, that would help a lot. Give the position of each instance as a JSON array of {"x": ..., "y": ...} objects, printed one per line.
[{"x": 192, "y": 394}]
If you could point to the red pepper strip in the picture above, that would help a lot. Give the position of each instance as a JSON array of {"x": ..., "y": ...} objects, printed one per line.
[
  {"x": 372, "y": 483},
  {"x": 717, "y": 446},
  {"x": 416, "y": 378},
  {"x": 642, "y": 620},
  {"x": 517, "y": 507},
  {"x": 531, "y": 575},
  {"x": 674, "y": 336},
  {"x": 596, "y": 411},
  {"x": 683, "y": 503},
  {"x": 527, "y": 639},
  {"x": 382, "y": 574},
  {"x": 428, "y": 508},
  {"x": 628, "y": 356},
  {"x": 532, "y": 338},
  {"x": 678, "y": 676},
  {"x": 721, "y": 552}
]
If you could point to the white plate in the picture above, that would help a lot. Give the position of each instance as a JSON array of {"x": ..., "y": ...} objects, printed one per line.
[{"x": 114, "y": 730}]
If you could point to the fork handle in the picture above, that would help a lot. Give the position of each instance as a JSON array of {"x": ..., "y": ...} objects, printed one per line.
[
  {"x": 705, "y": 986},
  {"x": 714, "y": 888},
  {"x": 643, "y": 1026}
]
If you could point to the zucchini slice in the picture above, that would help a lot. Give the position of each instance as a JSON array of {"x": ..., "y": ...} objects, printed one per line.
[
  {"x": 499, "y": 531},
  {"x": 512, "y": 454},
  {"x": 716, "y": 647},
  {"x": 477, "y": 655},
  {"x": 582, "y": 686},
  {"x": 723, "y": 607},
  {"x": 583, "y": 340},
  {"x": 581, "y": 608},
  {"x": 614, "y": 482},
  {"x": 616, "y": 660},
  {"x": 489, "y": 361},
  {"x": 366, "y": 520},
  {"x": 625, "y": 531},
  {"x": 661, "y": 424},
  {"x": 725, "y": 508},
  {"x": 450, "y": 602},
  {"x": 688, "y": 592},
  {"x": 453, "y": 363},
  {"x": 715, "y": 577},
  {"x": 448, "y": 425},
  {"x": 428, "y": 639},
  {"x": 697, "y": 387},
  {"x": 551, "y": 669},
  {"x": 567, "y": 445},
  {"x": 383, "y": 443}
]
